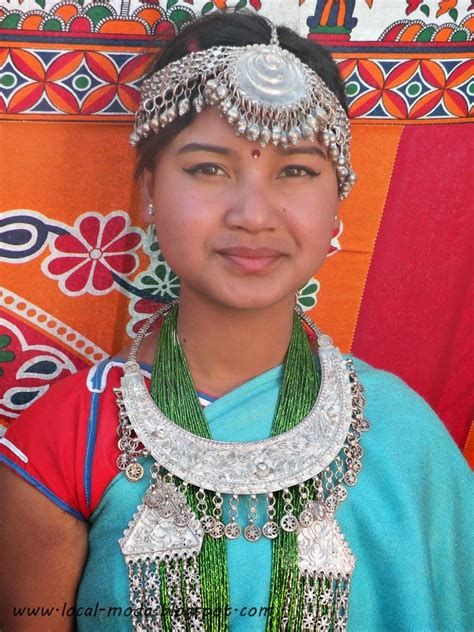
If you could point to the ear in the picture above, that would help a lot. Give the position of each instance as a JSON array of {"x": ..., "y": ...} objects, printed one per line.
[
  {"x": 336, "y": 225},
  {"x": 147, "y": 184}
]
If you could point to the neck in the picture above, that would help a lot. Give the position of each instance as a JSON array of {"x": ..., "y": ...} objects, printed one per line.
[{"x": 226, "y": 347}]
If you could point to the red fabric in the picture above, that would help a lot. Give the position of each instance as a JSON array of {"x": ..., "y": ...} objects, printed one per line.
[
  {"x": 418, "y": 306},
  {"x": 54, "y": 434}
]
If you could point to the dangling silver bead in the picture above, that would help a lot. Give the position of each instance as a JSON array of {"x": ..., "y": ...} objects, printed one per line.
[
  {"x": 312, "y": 122},
  {"x": 276, "y": 134},
  {"x": 325, "y": 138},
  {"x": 134, "y": 138},
  {"x": 225, "y": 105},
  {"x": 211, "y": 84},
  {"x": 321, "y": 117},
  {"x": 253, "y": 131},
  {"x": 352, "y": 177},
  {"x": 241, "y": 126},
  {"x": 265, "y": 136},
  {"x": 163, "y": 118},
  {"x": 333, "y": 151},
  {"x": 294, "y": 135},
  {"x": 183, "y": 106},
  {"x": 211, "y": 97},
  {"x": 155, "y": 123},
  {"x": 233, "y": 114},
  {"x": 307, "y": 132},
  {"x": 172, "y": 113},
  {"x": 222, "y": 91},
  {"x": 198, "y": 104}
]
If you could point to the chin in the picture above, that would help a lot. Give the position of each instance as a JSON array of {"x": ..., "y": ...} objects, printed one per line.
[{"x": 254, "y": 300}]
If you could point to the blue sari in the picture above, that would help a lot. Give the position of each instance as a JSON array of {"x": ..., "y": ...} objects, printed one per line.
[{"x": 407, "y": 520}]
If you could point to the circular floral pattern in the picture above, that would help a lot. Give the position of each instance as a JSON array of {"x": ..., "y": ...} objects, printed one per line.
[{"x": 86, "y": 259}]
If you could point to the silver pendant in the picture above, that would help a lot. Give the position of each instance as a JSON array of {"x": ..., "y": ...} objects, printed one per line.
[
  {"x": 270, "y": 529},
  {"x": 233, "y": 530},
  {"x": 218, "y": 530},
  {"x": 289, "y": 523},
  {"x": 252, "y": 532},
  {"x": 306, "y": 517},
  {"x": 208, "y": 523},
  {"x": 134, "y": 471}
]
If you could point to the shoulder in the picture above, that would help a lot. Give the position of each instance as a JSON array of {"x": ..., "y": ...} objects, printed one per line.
[
  {"x": 403, "y": 425},
  {"x": 53, "y": 444}
]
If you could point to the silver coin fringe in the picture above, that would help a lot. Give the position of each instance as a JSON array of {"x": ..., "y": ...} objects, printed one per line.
[
  {"x": 209, "y": 78},
  {"x": 317, "y": 497},
  {"x": 325, "y": 603},
  {"x": 182, "y": 589}
]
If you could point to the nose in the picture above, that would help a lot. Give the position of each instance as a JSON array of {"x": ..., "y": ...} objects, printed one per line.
[{"x": 253, "y": 208}]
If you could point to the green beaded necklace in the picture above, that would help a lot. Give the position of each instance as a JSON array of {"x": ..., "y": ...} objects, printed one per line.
[{"x": 173, "y": 391}]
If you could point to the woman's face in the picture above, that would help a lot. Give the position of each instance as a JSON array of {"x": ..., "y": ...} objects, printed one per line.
[{"x": 241, "y": 225}]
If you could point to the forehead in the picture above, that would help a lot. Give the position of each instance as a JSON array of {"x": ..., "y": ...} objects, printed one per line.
[{"x": 210, "y": 128}]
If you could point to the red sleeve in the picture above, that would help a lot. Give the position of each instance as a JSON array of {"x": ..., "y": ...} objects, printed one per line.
[
  {"x": 46, "y": 444},
  {"x": 66, "y": 443}
]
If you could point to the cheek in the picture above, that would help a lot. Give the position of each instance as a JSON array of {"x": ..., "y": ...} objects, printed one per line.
[{"x": 314, "y": 223}]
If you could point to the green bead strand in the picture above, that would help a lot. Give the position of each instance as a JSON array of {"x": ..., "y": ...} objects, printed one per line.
[{"x": 173, "y": 390}]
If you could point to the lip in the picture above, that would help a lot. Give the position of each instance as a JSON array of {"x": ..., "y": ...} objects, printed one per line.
[{"x": 251, "y": 259}]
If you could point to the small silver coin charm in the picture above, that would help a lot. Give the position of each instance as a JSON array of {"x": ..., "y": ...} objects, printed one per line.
[
  {"x": 331, "y": 503},
  {"x": 134, "y": 471},
  {"x": 233, "y": 530},
  {"x": 181, "y": 519},
  {"x": 350, "y": 477},
  {"x": 341, "y": 493},
  {"x": 124, "y": 443},
  {"x": 218, "y": 530},
  {"x": 208, "y": 523},
  {"x": 289, "y": 523},
  {"x": 122, "y": 461},
  {"x": 252, "y": 533},
  {"x": 306, "y": 517},
  {"x": 270, "y": 529},
  {"x": 151, "y": 499}
]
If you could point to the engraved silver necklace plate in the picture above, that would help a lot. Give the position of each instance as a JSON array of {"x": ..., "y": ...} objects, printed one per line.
[{"x": 247, "y": 467}]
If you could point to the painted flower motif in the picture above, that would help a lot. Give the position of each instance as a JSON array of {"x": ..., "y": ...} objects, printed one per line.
[
  {"x": 86, "y": 258},
  {"x": 159, "y": 283},
  {"x": 412, "y": 6},
  {"x": 307, "y": 295},
  {"x": 5, "y": 354},
  {"x": 335, "y": 244},
  {"x": 446, "y": 6}
]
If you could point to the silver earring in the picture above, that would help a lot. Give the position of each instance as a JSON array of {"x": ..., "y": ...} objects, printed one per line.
[{"x": 151, "y": 210}]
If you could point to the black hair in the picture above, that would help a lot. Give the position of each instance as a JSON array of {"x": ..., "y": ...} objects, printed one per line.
[{"x": 231, "y": 29}]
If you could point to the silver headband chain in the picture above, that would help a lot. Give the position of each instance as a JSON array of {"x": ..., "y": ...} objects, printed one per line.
[{"x": 263, "y": 90}]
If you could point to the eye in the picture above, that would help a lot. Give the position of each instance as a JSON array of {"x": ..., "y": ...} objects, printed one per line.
[
  {"x": 206, "y": 169},
  {"x": 298, "y": 171}
]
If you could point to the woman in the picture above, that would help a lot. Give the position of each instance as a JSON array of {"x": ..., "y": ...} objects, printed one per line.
[{"x": 223, "y": 512}]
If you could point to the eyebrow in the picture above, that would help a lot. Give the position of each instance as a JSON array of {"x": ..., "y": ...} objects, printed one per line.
[
  {"x": 291, "y": 151},
  {"x": 216, "y": 149},
  {"x": 226, "y": 151}
]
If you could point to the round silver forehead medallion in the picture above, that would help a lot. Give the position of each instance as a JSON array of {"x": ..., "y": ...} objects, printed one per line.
[{"x": 270, "y": 75}]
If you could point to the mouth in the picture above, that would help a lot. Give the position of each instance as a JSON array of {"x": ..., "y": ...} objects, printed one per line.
[{"x": 251, "y": 259}]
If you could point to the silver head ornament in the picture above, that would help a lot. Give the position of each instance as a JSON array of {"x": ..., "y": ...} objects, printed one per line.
[{"x": 263, "y": 90}]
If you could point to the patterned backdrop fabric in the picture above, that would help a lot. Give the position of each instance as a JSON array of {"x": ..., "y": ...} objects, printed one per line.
[{"x": 79, "y": 273}]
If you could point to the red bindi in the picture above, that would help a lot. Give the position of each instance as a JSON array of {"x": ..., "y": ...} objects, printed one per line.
[{"x": 255, "y": 153}]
